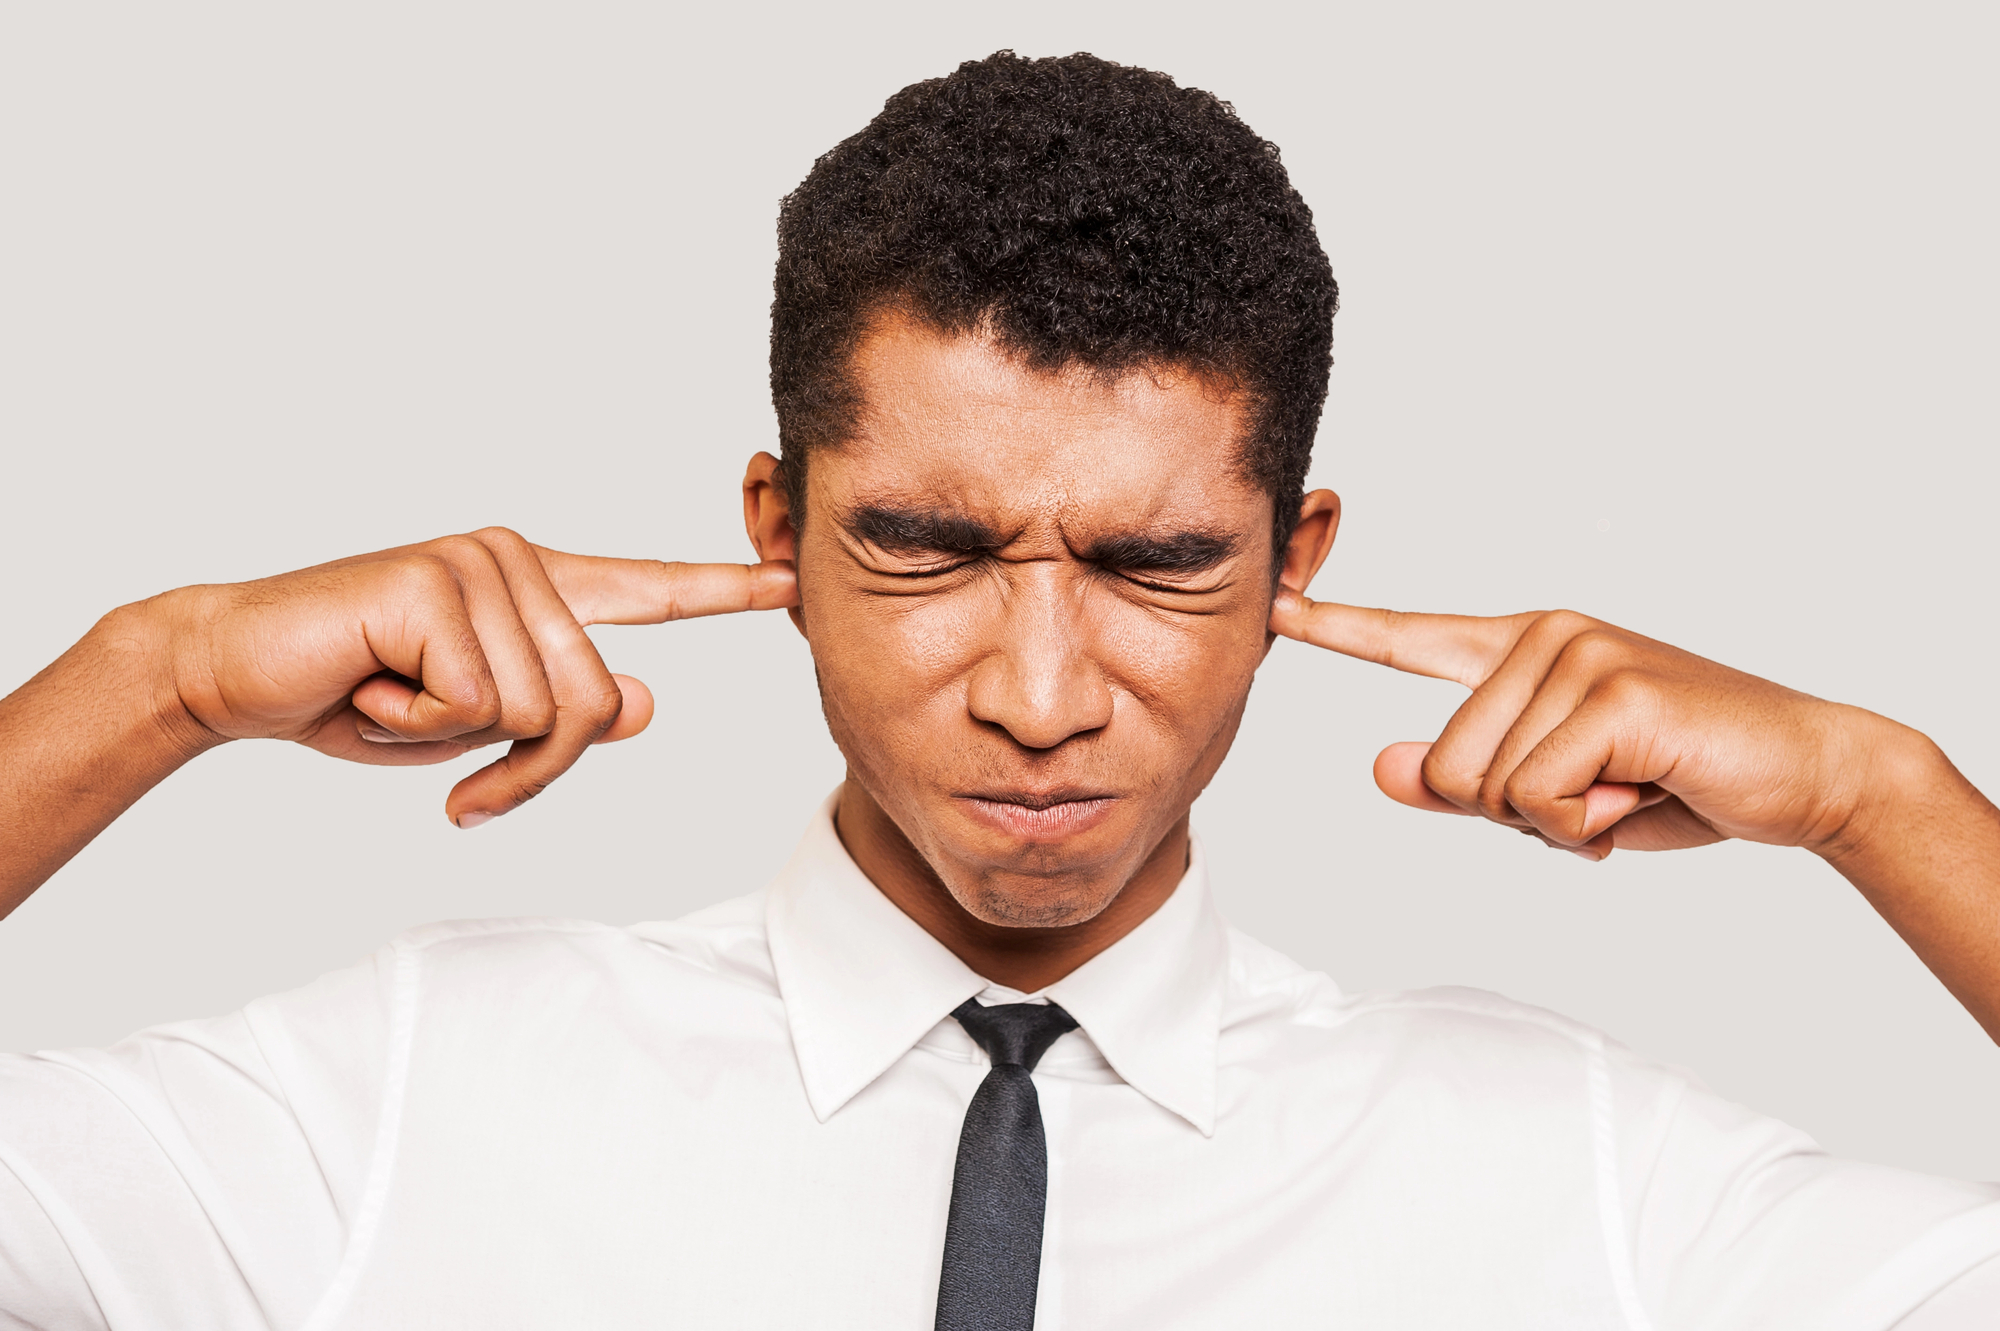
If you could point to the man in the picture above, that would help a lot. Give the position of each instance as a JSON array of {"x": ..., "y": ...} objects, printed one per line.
[{"x": 1049, "y": 346}]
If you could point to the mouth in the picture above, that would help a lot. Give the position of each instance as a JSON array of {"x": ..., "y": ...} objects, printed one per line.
[{"x": 1032, "y": 815}]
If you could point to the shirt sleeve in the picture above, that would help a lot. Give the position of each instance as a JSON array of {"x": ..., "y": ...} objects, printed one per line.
[
  {"x": 1969, "y": 1303},
  {"x": 202, "y": 1174},
  {"x": 41, "y": 1287},
  {"x": 1740, "y": 1221}
]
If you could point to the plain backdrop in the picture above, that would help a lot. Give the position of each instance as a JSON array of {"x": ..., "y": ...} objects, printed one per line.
[{"x": 1680, "y": 315}]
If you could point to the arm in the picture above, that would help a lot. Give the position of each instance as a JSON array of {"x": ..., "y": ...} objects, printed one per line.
[
  {"x": 1924, "y": 848},
  {"x": 407, "y": 656},
  {"x": 1592, "y": 738},
  {"x": 82, "y": 741}
]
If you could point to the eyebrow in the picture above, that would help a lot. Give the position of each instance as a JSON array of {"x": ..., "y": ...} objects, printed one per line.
[
  {"x": 1161, "y": 552},
  {"x": 932, "y": 530},
  {"x": 922, "y": 530}
]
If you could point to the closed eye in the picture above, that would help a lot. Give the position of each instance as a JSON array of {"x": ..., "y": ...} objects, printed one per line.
[
  {"x": 929, "y": 571},
  {"x": 1173, "y": 562}
]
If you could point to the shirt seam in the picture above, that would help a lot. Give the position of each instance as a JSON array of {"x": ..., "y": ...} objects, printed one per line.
[
  {"x": 251, "y": 1020},
  {"x": 43, "y": 1195},
  {"x": 1610, "y": 1196},
  {"x": 1618, "y": 1256},
  {"x": 198, "y": 1189},
  {"x": 381, "y": 1166},
  {"x": 1516, "y": 1013}
]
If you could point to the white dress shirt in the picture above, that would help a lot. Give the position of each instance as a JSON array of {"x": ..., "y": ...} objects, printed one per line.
[{"x": 749, "y": 1117}]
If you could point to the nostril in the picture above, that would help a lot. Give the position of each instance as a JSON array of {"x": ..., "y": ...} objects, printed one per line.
[{"x": 1040, "y": 713}]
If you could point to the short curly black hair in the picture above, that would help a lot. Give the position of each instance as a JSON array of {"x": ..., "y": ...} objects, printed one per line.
[{"x": 1089, "y": 215}]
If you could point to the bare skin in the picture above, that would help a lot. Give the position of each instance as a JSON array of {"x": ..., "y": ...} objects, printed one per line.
[
  {"x": 1036, "y": 605},
  {"x": 406, "y": 656},
  {"x": 1592, "y": 738}
]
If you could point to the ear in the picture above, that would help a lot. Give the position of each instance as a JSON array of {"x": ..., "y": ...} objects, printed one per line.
[
  {"x": 767, "y": 514},
  {"x": 1312, "y": 540},
  {"x": 1311, "y": 543},
  {"x": 767, "y": 520}
]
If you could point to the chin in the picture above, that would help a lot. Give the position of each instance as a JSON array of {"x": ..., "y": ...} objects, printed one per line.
[
  {"x": 1035, "y": 905},
  {"x": 1042, "y": 881}
]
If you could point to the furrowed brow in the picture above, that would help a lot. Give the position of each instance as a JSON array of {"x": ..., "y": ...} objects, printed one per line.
[
  {"x": 922, "y": 530},
  {"x": 1165, "y": 552}
]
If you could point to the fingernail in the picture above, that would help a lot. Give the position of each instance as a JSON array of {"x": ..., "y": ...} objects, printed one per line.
[
  {"x": 1590, "y": 855},
  {"x": 377, "y": 735},
  {"x": 1286, "y": 599},
  {"x": 468, "y": 821}
]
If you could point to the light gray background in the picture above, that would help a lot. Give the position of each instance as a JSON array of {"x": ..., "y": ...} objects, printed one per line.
[{"x": 1682, "y": 317}]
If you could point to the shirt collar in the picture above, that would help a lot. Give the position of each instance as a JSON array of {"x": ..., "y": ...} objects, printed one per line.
[{"x": 863, "y": 983}]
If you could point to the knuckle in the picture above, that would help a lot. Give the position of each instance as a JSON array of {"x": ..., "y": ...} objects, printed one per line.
[
  {"x": 669, "y": 576},
  {"x": 1571, "y": 621},
  {"x": 1626, "y": 688},
  {"x": 1536, "y": 802},
  {"x": 1387, "y": 634},
  {"x": 1525, "y": 797},
  {"x": 1596, "y": 651},
  {"x": 1562, "y": 625},
  {"x": 523, "y": 789},
  {"x": 601, "y": 704},
  {"x": 457, "y": 549},
  {"x": 484, "y": 710},
  {"x": 1517, "y": 791},
  {"x": 425, "y": 574},
  {"x": 1449, "y": 778},
  {"x": 500, "y": 538},
  {"x": 1494, "y": 802},
  {"x": 535, "y": 716}
]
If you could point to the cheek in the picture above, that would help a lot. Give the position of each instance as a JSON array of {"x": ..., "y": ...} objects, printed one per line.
[
  {"x": 889, "y": 666},
  {"x": 1186, "y": 673}
]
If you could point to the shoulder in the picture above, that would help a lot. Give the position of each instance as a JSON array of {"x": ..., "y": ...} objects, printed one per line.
[
  {"x": 497, "y": 971},
  {"x": 1273, "y": 1002},
  {"x": 722, "y": 944}
]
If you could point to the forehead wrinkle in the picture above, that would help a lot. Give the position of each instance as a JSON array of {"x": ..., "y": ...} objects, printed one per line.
[
  {"x": 1012, "y": 512},
  {"x": 1162, "y": 513}
]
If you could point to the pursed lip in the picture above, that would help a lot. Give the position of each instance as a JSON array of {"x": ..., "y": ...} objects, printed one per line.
[{"x": 1038, "y": 815}]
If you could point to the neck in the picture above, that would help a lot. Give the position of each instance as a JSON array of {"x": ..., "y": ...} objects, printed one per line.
[{"x": 1027, "y": 959}]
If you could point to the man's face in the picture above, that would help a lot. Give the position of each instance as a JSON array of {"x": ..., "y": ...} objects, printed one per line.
[{"x": 1035, "y": 604}]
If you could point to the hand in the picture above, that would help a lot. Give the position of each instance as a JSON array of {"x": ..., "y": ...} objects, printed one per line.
[
  {"x": 417, "y": 654},
  {"x": 1589, "y": 737}
]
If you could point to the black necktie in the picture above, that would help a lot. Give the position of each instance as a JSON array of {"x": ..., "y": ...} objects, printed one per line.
[{"x": 993, "y": 1236}]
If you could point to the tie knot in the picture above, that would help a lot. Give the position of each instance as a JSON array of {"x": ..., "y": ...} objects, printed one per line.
[{"x": 1018, "y": 1033}]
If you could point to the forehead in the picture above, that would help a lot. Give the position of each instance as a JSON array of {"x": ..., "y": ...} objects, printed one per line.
[{"x": 961, "y": 420}]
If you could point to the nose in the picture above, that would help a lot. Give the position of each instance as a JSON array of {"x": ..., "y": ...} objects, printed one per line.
[{"x": 1038, "y": 680}]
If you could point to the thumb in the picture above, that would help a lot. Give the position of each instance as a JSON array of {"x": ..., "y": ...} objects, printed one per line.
[{"x": 1399, "y": 773}]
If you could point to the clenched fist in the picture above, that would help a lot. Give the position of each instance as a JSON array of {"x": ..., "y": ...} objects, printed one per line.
[
  {"x": 415, "y": 655},
  {"x": 412, "y": 655},
  {"x": 1590, "y": 737}
]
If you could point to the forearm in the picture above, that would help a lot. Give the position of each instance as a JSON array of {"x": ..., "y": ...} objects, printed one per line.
[
  {"x": 82, "y": 741},
  {"x": 1924, "y": 848}
]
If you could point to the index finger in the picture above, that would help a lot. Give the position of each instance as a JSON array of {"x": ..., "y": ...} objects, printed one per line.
[
  {"x": 1465, "y": 648},
  {"x": 648, "y": 591}
]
